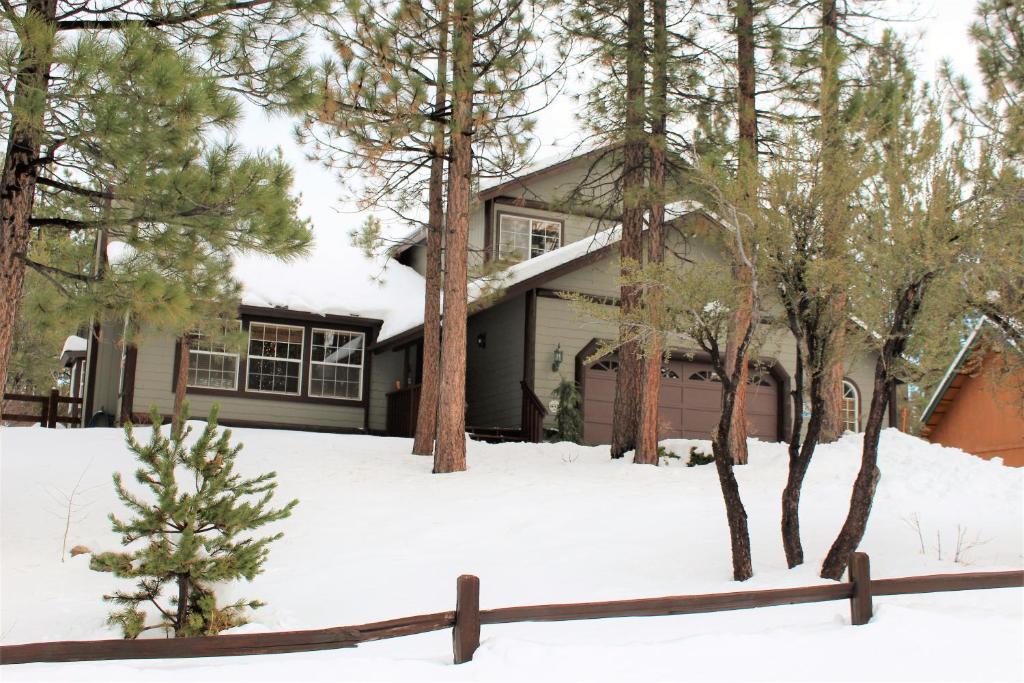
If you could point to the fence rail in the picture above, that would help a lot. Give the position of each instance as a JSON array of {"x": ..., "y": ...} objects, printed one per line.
[
  {"x": 49, "y": 412},
  {"x": 467, "y": 618}
]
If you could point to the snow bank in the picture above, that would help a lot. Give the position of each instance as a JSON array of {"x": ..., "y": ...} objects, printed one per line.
[
  {"x": 377, "y": 536},
  {"x": 334, "y": 279}
]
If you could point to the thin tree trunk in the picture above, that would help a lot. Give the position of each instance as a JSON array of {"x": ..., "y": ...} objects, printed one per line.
[
  {"x": 736, "y": 514},
  {"x": 833, "y": 422},
  {"x": 626, "y": 408},
  {"x": 426, "y": 419},
  {"x": 798, "y": 467},
  {"x": 864, "y": 486},
  {"x": 181, "y": 381},
  {"x": 647, "y": 444},
  {"x": 181, "y": 617},
  {"x": 20, "y": 171},
  {"x": 747, "y": 174},
  {"x": 450, "y": 449}
]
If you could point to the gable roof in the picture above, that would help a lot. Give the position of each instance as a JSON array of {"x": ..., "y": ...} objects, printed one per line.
[
  {"x": 535, "y": 271},
  {"x": 949, "y": 387}
]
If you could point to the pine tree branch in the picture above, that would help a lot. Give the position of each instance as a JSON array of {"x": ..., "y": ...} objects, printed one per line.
[
  {"x": 50, "y": 270},
  {"x": 158, "y": 22},
  {"x": 84, "y": 192}
]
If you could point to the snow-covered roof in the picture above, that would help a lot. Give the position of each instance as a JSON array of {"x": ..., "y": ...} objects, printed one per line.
[
  {"x": 74, "y": 344},
  {"x": 334, "y": 279},
  {"x": 522, "y": 271}
]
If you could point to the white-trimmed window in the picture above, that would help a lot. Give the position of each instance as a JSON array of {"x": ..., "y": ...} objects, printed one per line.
[
  {"x": 336, "y": 364},
  {"x": 521, "y": 237},
  {"x": 851, "y": 407},
  {"x": 210, "y": 364},
  {"x": 275, "y": 358}
]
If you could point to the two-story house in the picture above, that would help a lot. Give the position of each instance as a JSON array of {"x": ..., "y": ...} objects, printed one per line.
[{"x": 329, "y": 349}]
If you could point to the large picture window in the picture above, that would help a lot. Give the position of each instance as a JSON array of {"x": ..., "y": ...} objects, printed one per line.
[
  {"x": 210, "y": 364},
  {"x": 336, "y": 364},
  {"x": 521, "y": 238},
  {"x": 275, "y": 358}
]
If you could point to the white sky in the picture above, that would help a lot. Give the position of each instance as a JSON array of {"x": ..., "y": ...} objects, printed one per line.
[{"x": 939, "y": 29}]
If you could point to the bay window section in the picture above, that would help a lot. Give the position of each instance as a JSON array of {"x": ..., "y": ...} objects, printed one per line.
[
  {"x": 210, "y": 364},
  {"x": 336, "y": 364},
  {"x": 275, "y": 359}
]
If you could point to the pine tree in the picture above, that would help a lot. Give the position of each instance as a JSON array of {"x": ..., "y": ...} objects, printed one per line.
[
  {"x": 568, "y": 419},
  {"x": 147, "y": 181},
  {"x": 60, "y": 56},
  {"x": 197, "y": 531}
]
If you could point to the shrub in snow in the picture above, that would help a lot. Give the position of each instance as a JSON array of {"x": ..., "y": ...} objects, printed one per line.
[
  {"x": 568, "y": 419},
  {"x": 699, "y": 458},
  {"x": 191, "y": 535}
]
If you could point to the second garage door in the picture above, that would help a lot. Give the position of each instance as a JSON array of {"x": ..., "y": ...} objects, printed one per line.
[{"x": 688, "y": 405}]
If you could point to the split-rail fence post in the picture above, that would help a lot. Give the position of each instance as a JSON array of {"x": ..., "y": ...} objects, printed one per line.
[
  {"x": 466, "y": 632},
  {"x": 860, "y": 576}
]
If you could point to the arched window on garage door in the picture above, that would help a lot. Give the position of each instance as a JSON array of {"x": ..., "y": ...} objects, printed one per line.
[{"x": 851, "y": 406}]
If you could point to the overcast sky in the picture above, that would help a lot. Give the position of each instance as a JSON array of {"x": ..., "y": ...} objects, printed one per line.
[{"x": 940, "y": 33}]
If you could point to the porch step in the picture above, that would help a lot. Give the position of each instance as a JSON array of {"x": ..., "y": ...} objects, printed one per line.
[{"x": 496, "y": 434}]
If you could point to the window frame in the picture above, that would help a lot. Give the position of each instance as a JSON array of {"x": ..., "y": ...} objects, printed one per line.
[
  {"x": 361, "y": 366},
  {"x": 250, "y": 315},
  {"x": 847, "y": 382},
  {"x": 301, "y": 361},
  {"x": 500, "y": 216},
  {"x": 238, "y": 365}
]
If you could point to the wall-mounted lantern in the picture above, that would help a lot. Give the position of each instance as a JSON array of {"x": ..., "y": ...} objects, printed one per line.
[{"x": 557, "y": 362}]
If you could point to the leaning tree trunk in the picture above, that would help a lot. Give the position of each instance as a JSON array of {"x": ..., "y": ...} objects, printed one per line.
[
  {"x": 628, "y": 380},
  {"x": 736, "y": 514},
  {"x": 450, "y": 449},
  {"x": 21, "y": 169},
  {"x": 746, "y": 105},
  {"x": 426, "y": 419},
  {"x": 799, "y": 462},
  {"x": 864, "y": 486},
  {"x": 907, "y": 308},
  {"x": 647, "y": 443}
]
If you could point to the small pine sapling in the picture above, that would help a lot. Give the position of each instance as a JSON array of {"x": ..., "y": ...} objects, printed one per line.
[
  {"x": 568, "y": 419},
  {"x": 193, "y": 534},
  {"x": 698, "y": 457}
]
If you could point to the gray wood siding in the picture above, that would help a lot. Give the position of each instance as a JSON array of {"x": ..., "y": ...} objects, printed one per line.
[
  {"x": 387, "y": 369},
  {"x": 153, "y": 382},
  {"x": 493, "y": 393}
]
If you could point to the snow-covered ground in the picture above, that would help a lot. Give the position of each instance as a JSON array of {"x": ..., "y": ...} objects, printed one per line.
[{"x": 377, "y": 536}]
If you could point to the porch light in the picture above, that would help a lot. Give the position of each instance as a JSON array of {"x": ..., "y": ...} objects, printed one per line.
[{"x": 557, "y": 363}]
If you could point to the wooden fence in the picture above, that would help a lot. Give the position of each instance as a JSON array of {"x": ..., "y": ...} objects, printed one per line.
[
  {"x": 467, "y": 618},
  {"x": 49, "y": 413}
]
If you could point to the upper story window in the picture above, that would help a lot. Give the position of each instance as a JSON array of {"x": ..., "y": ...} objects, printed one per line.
[
  {"x": 336, "y": 364},
  {"x": 522, "y": 237},
  {"x": 275, "y": 358},
  {"x": 210, "y": 364},
  {"x": 851, "y": 407}
]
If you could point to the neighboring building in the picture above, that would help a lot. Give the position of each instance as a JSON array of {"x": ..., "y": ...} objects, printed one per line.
[
  {"x": 329, "y": 349},
  {"x": 979, "y": 405}
]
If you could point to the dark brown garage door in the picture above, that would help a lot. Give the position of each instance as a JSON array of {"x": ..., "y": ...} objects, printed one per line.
[{"x": 688, "y": 406}]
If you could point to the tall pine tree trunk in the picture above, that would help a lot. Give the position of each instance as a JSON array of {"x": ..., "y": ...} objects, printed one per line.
[
  {"x": 181, "y": 381},
  {"x": 628, "y": 380},
  {"x": 832, "y": 220},
  {"x": 21, "y": 169},
  {"x": 747, "y": 174},
  {"x": 426, "y": 419},
  {"x": 450, "y": 449},
  {"x": 647, "y": 443}
]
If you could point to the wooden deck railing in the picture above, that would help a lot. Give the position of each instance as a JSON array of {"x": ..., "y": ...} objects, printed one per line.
[
  {"x": 532, "y": 415},
  {"x": 467, "y": 618},
  {"x": 49, "y": 413}
]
